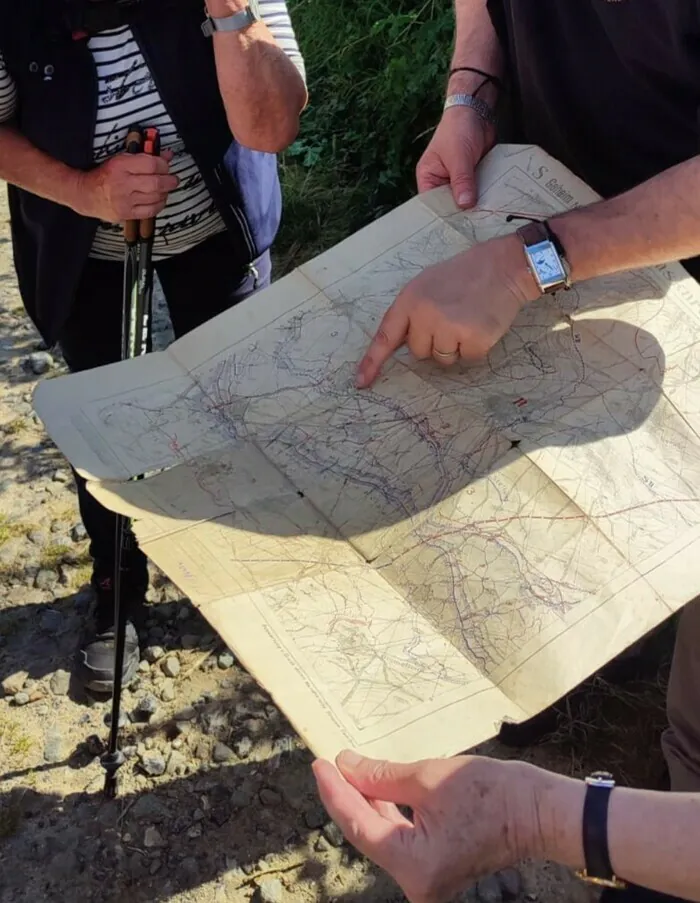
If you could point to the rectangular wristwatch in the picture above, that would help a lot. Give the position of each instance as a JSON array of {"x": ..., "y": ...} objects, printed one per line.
[{"x": 545, "y": 257}]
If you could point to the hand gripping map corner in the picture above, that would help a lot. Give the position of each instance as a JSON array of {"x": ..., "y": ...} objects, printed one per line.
[{"x": 404, "y": 567}]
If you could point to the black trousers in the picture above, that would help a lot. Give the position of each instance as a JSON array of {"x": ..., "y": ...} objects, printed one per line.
[{"x": 198, "y": 285}]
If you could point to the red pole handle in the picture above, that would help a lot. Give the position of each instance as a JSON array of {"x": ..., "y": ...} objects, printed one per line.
[{"x": 151, "y": 145}]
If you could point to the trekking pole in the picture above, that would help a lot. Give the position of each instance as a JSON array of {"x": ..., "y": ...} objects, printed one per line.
[
  {"x": 136, "y": 311},
  {"x": 151, "y": 145}
]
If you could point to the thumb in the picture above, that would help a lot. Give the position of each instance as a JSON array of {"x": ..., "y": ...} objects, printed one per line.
[
  {"x": 379, "y": 779},
  {"x": 463, "y": 182}
]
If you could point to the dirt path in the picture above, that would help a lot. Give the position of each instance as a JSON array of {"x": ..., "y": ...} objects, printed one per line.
[{"x": 217, "y": 801}]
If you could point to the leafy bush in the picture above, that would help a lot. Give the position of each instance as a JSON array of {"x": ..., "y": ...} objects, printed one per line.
[{"x": 376, "y": 74}]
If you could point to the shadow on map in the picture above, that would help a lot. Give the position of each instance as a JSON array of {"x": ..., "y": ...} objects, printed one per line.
[{"x": 376, "y": 460}]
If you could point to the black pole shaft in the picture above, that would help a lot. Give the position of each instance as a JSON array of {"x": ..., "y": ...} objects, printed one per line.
[{"x": 113, "y": 759}]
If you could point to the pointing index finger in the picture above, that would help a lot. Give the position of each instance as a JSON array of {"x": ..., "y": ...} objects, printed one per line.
[{"x": 389, "y": 338}]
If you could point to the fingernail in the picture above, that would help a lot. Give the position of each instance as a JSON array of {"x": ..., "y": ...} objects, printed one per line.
[
  {"x": 349, "y": 758},
  {"x": 464, "y": 199},
  {"x": 361, "y": 380}
]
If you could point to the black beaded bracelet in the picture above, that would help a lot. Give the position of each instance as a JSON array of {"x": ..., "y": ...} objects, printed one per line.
[{"x": 494, "y": 79}]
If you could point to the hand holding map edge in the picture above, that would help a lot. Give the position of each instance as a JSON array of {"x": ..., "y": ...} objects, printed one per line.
[
  {"x": 456, "y": 309},
  {"x": 469, "y": 817}
]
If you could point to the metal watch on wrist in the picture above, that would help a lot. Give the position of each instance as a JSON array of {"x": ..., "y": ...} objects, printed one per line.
[
  {"x": 598, "y": 870},
  {"x": 235, "y": 22},
  {"x": 545, "y": 257},
  {"x": 480, "y": 107}
]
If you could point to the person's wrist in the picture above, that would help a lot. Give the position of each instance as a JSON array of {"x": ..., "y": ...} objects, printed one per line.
[
  {"x": 469, "y": 82},
  {"x": 514, "y": 267},
  {"x": 220, "y": 9},
  {"x": 519, "y": 788},
  {"x": 556, "y": 819},
  {"x": 506, "y": 807},
  {"x": 78, "y": 189}
]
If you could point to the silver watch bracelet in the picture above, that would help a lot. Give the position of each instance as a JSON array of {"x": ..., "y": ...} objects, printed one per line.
[{"x": 480, "y": 107}]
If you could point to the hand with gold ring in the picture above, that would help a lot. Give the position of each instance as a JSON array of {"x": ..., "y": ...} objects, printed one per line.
[
  {"x": 455, "y": 310},
  {"x": 446, "y": 357}
]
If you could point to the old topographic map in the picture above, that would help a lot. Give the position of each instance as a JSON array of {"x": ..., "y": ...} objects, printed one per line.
[{"x": 405, "y": 567}]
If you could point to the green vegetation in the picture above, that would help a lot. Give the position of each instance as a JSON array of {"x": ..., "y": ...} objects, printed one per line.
[
  {"x": 9, "y": 529},
  {"x": 15, "y": 746},
  {"x": 15, "y": 426},
  {"x": 81, "y": 573},
  {"x": 376, "y": 75},
  {"x": 53, "y": 555}
]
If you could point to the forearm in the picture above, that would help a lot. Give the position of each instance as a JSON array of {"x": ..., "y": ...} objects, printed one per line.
[
  {"x": 24, "y": 165},
  {"x": 656, "y": 222},
  {"x": 262, "y": 90},
  {"x": 652, "y": 836},
  {"x": 476, "y": 45}
]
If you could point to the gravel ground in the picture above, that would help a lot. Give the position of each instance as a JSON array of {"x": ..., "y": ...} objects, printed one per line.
[{"x": 216, "y": 801}]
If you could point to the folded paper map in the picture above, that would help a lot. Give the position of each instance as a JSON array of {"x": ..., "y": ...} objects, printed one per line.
[{"x": 405, "y": 567}]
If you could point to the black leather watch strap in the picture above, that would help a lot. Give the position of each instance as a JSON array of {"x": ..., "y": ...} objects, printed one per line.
[
  {"x": 598, "y": 869},
  {"x": 533, "y": 233},
  {"x": 595, "y": 826},
  {"x": 537, "y": 230},
  {"x": 554, "y": 238},
  {"x": 540, "y": 230}
]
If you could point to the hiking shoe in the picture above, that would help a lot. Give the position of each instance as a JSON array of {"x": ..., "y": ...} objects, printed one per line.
[{"x": 95, "y": 665}]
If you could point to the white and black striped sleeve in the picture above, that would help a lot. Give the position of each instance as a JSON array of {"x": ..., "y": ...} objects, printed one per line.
[
  {"x": 275, "y": 15},
  {"x": 8, "y": 93}
]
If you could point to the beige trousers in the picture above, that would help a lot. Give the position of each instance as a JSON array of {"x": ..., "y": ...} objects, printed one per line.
[{"x": 681, "y": 741}]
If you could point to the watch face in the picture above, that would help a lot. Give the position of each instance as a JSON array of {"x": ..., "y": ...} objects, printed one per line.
[{"x": 546, "y": 263}]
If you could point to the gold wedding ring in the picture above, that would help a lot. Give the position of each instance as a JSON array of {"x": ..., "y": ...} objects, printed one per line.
[{"x": 445, "y": 353}]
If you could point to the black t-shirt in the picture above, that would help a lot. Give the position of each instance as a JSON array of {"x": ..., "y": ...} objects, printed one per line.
[{"x": 611, "y": 88}]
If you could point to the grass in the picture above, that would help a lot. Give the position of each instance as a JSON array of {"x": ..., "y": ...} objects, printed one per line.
[
  {"x": 10, "y": 529},
  {"x": 604, "y": 726},
  {"x": 15, "y": 427},
  {"x": 319, "y": 212},
  {"x": 52, "y": 556},
  {"x": 376, "y": 74},
  {"x": 82, "y": 573},
  {"x": 15, "y": 744}
]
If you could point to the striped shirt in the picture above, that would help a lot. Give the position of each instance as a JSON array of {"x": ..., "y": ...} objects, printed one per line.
[{"x": 128, "y": 94}]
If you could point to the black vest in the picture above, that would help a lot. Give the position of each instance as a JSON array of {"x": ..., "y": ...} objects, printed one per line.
[{"x": 57, "y": 104}]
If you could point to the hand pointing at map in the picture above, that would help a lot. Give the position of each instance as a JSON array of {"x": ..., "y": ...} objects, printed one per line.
[{"x": 457, "y": 309}]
